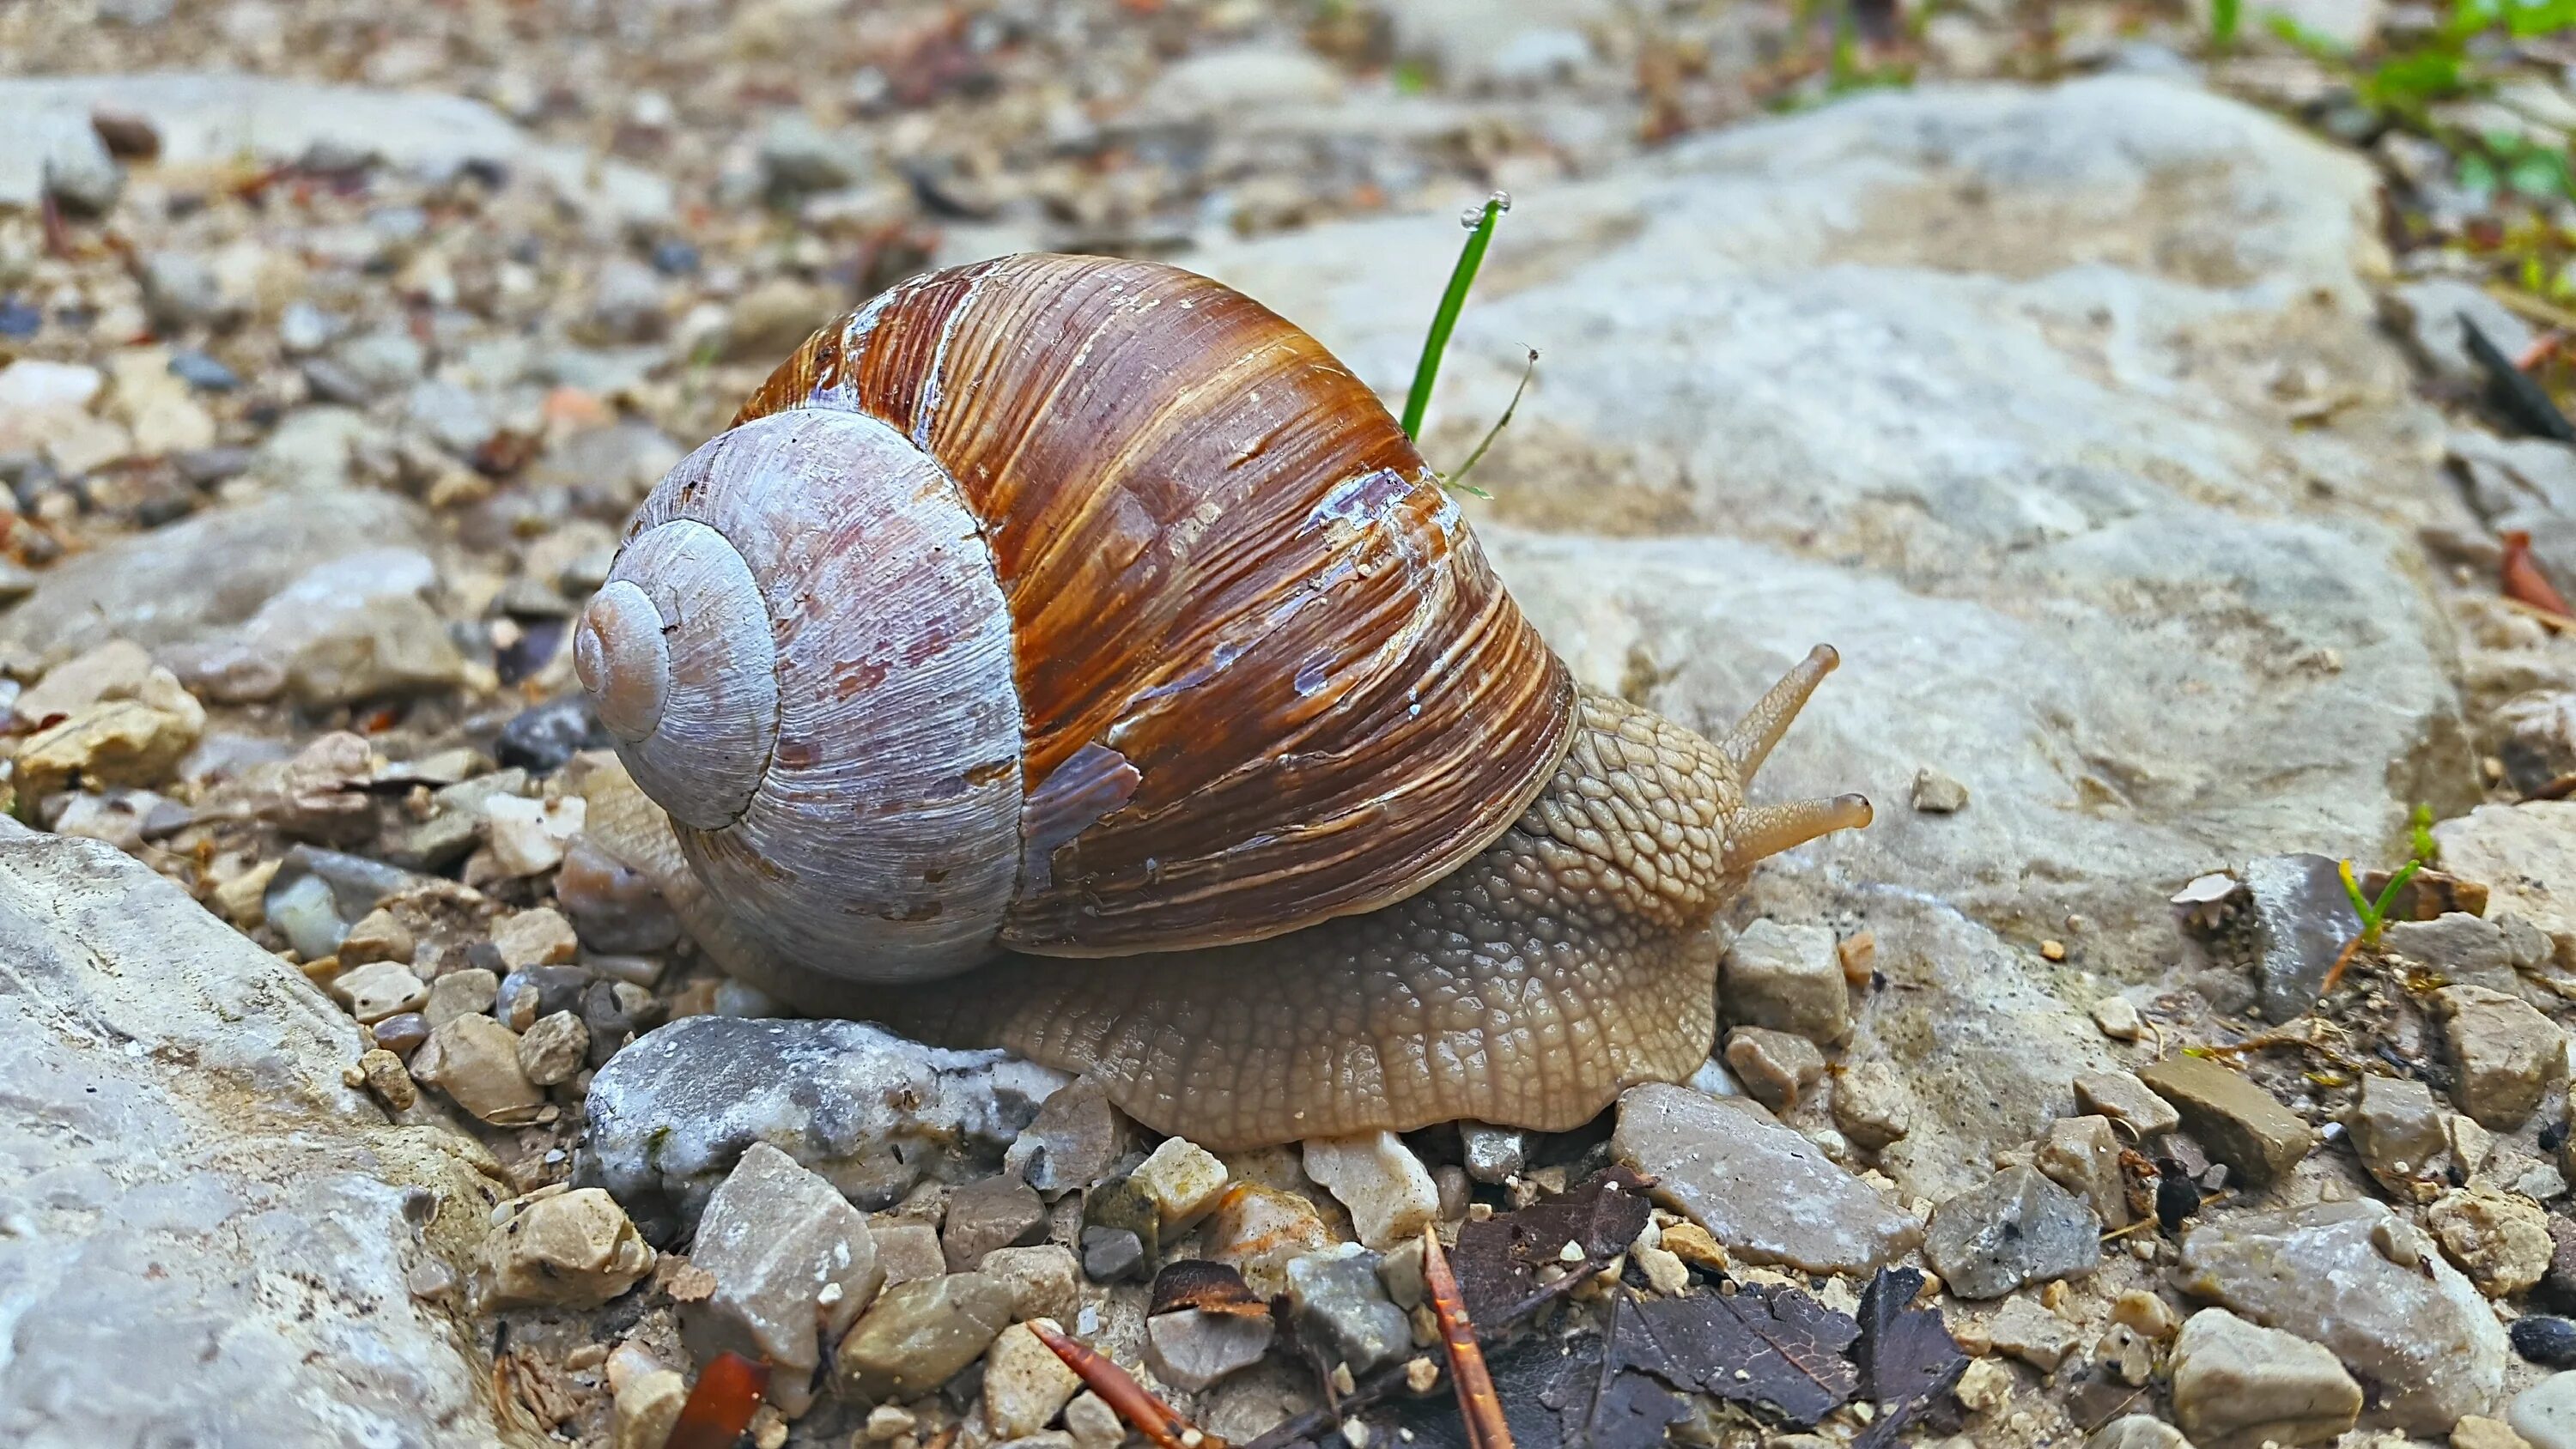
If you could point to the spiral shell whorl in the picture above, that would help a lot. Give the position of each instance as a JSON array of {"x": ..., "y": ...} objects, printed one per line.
[
  {"x": 804, "y": 658},
  {"x": 676, "y": 655}
]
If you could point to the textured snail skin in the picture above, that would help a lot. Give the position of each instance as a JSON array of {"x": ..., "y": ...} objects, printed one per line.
[{"x": 1569, "y": 960}]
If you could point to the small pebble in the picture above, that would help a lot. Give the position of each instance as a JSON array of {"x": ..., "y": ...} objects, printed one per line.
[
  {"x": 201, "y": 372},
  {"x": 534, "y": 938},
  {"x": 992, "y": 1212},
  {"x": 1111, "y": 1254},
  {"x": 386, "y": 1078},
  {"x": 2547, "y": 1341},
  {"x": 553, "y": 1048},
  {"x": 378, "y": 990},
  {"x": 1936, "y": 792},
  {"x": 2118, "y": 1019},
  {"x": 568, "y": 1246},
  {"x": 402, "y": 1034},
  {"x": 1184, "y": 1181},
  {"x": 1390, "y": 1194}
]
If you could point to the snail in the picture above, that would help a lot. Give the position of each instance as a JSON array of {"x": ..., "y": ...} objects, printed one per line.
[{"x": 1069, "y": 654}]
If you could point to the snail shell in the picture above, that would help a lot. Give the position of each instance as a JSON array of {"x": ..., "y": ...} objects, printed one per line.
[{"x": 1071, "y": 606}]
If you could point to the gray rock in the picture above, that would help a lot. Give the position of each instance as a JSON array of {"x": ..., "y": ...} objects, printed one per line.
[
  {"x": 2545, "y": 1413},
  {"x": 2241, "y": 1124},
  {"x": 989, "y": 1213},
  {"x": 1192, "y": 1348},
  {"x": 1237, "y": 79},
  {"x": 2522, "y": 485},
  {"x": 2137, "y": 1431},
  {"x": 180, "y": 292},
  {"x": 1786, "y": 978},
  {"x": 453, "y": 417},
  {"x": 1343, "y": 1313},
  {"x": 792, "y": 1262},
  {"x": 1493, "y": 1154},
  {"x": 304, "y": 328},
  {"x": 2431, "y": 311},
  {"x": 2018, "y": 1229},
  {"x": 1045, "y": 1280},
  {"x": 1937, "y": 792},
  {"x": 354, "y": 628},
  {"x": 180, "y": 1143},
  {"x": 1110, "y": 1254},
  {"x": 2007, "y": 341},
  {"x": 798, "y": 158},
  {"x": 2082, "y": 1155},
  {"x": 2397, "y": 1130},
  {"x": 908, "y": 1250},
  {"x": 1074, "y": 1141},
  {"x": 626, "y": 302},
  {"x": 869, "y": 1110},
  {"x": 2526, "y": 854},
  {"x": 1774, "y": 1067},
  {"x": 1707, "y": 1155},
  {"x": 193, "y": 578},
  {"x": 2301, "y": 919},
  {"x": 210, "y": 120},
  {"x": 2534, "y": 735},
  {"x": 2506, "y": 1054},
  {"x": 2121, "y": 1097},
  {"x": 919, "y": 1334},
  {"x": 2461, "y": 947},
  {"x": 2238, "y": 1386},
  {"x": 2417, "y": 1330},
  {"x": 318, "y": 448},
  {"x": 381, "y": 361},
  {"x": 79, "y": 172}
]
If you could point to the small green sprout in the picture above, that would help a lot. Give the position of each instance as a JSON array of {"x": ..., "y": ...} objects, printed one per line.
[
  {"x": 2374, "y": 913},
  {"x": 2223, "y": 18}
]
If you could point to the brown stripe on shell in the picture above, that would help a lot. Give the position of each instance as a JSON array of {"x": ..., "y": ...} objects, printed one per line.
[{"x": 1227, "y": 567}]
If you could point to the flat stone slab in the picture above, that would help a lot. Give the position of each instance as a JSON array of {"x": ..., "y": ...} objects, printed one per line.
[
  {"x": 208, "y": 1234},
  {"x": 1766, "y": 1193}
]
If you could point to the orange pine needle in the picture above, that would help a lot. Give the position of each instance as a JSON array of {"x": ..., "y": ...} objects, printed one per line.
[
  {"x": 1152, "y": 1417},
  {"x": 721, "y": 1404},
  {"x": 2524, "y": 582},
  {"x": 1477, "y": 1404}
]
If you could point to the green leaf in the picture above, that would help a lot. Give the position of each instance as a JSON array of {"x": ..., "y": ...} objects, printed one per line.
[{"x": 2223, "y": 18}]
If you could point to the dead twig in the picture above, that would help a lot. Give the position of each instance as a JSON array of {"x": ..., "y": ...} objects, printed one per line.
[
  {"x": 1390, "y": 1380},
  {"x": 1150, "y": 1416},
  {"x": 1483, "y": 1413}
]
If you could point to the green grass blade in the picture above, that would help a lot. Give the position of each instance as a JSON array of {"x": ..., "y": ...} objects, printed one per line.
[
  {"x": 2223, "y": 18},
  {"x": 2360, "y": 903},
  {"x": 1445, "y": 321},
  {"x": 2396, "y": 882}
]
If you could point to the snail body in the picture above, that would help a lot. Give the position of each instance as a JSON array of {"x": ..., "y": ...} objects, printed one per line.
[{"x": 1064, "y": 607}]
